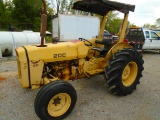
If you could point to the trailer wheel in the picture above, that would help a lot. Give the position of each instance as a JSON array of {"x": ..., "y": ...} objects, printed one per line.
[
  {"x": 55, "y": 101},
  {"x": 124, "y": 71}
]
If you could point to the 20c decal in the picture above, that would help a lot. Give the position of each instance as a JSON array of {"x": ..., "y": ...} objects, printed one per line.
[{"x": 59, "y": 55}]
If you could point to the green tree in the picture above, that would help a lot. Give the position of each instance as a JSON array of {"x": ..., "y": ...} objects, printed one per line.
[
  {"x": 7, "y": 10},
  {"x": 29, "y": 12},
  {"x": 65, "y": 6},
  {"x": 153, "y": 27},
  {"x": 26, "y": 11},
  {"x": 147, "y": 25},
  {"x": 113, "y": 23},
  {"x": 5, "y": 14},
  {"x": 50, "y": 13},
  {"x": 158, "y": 22},
  {"x": 1, "y": 9}
]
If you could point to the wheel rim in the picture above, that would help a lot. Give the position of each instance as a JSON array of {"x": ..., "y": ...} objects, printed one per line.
[
  {"x": 129, "y": 74},
  {"x": 59, "y": 104}
]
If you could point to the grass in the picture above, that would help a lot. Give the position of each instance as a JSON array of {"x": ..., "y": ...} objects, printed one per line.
[{"x": 48, "y": 39}]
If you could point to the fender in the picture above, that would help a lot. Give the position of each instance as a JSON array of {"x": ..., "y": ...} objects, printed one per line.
[{"x": 116, "y": 48}]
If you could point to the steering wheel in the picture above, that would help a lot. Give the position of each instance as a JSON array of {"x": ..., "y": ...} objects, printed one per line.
[{"x": 86, "y": 42}]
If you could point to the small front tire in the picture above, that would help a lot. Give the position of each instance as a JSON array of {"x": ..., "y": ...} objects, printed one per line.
[{"x": 55, "y": 101}]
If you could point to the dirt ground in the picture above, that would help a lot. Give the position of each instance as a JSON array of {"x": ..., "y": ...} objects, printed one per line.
[{"x": 94, "y": 100}]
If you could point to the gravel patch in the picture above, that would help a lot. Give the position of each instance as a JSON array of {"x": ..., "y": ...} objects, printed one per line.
[{"x": 94, "y": 100}]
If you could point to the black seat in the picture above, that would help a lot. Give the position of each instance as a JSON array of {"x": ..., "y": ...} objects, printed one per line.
[
  {"x": 102, "y": 51},
  {"x": 105, "y": 42}
]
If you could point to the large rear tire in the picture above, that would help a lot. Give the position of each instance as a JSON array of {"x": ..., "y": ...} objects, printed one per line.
[
  {"x": 55, "y": 101},
  {"x": 124, "y": 71}
]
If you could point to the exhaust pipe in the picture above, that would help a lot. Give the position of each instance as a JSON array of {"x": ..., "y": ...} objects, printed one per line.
[{"x": 43, "y": 24}]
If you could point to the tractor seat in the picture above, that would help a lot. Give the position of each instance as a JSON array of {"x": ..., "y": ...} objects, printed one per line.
[
  {"x": 104, "y": 42},
  {"x": 102, "y": 51}
]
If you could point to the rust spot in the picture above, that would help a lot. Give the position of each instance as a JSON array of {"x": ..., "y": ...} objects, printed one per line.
[{"x": 2, "y": 78}]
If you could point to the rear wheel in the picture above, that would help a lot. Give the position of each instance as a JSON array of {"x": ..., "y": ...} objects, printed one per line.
[
  {"x": 124, "y": 71},
  {"x": 55, "y": 100}
]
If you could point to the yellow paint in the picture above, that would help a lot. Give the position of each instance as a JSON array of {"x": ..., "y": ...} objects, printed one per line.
[
  {"x": 46, "y": 80},
  {"x": 133, "y": 27},
  {"x": 82, "y": 49},
  {"x": 65, "y": 74},
  {"x": 94, "y": 66},
  {"x": 129, "y": 74},
  {"x": 58, "y": 52},
  {"x": 22, "y": 67},
  {"x": 123, "y": 28},
  {"x": 115, "y": 48},
  {"x": 59, "y": 104},
  {"x": 64, "y": 53},
  {"x": 36, "y": 68},
  {"x": 53, "y": 52},
  {"x": 102, "y": 27}
]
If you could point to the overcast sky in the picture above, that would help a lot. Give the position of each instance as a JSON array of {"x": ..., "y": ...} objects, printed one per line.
[{"x": 146, "y": 11}]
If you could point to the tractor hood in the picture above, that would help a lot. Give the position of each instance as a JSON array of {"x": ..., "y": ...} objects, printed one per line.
[{"x": 53, "y": 52}]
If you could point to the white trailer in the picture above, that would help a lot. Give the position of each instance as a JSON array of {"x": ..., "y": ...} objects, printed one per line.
[{"x": 67, "y": 27}]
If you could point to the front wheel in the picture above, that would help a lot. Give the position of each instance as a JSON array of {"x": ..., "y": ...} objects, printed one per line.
[
  {"x": 55, "y": 101},
  {"x": 124, "y": 71}
]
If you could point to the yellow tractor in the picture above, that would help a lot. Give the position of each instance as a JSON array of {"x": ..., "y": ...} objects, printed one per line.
[{"x": 53, "y": 64}]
